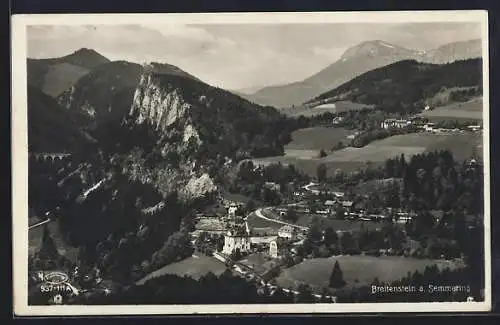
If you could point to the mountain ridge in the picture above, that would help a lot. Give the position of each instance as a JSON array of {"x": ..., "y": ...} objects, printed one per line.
[
  {"x": 355, "y": 61},
  {"x": 178, "y": 132},
  {"x": 408, "y": 85},
  {"x": 55, "y": 75}
]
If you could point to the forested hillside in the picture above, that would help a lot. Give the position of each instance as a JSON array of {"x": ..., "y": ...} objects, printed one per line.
[{"x": 406, "y": 85}]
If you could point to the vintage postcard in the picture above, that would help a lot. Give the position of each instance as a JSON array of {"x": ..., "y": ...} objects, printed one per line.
[{"x": 251, "y": 163}]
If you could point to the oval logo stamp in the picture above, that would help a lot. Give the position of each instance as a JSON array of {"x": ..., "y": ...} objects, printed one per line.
[{"x": 56, "y": 278}]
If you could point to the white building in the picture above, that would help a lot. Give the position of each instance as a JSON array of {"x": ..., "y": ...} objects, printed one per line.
[
  {"x": 287, "y": 232},
  {"x": 232, "y": 211},
  {"x": 474, "y": 127},
  {"x": 273, "y": 249},
  {"x": 347, "y": 204},
  {"x": 329, "y": 203},
  {"x": 429, "y": 127},
  {"x": 234, "y": 241},
  {"x": 404, "y": 218},
  {"x": 394, "y": 123}
]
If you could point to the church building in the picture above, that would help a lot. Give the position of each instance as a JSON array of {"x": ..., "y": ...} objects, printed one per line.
[{"x": 237, "y": 238}]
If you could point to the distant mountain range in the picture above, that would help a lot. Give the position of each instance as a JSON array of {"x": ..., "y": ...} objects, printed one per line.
[
  {"x": 162, "y": 98},
  {"x": 356, "y": 61},
  {"x": 89, "y": 87}
]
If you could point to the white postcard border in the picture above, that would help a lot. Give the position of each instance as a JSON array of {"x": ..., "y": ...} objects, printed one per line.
[{"x": 20, "y": 159}]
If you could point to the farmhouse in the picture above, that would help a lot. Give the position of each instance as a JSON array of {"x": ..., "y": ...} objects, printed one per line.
[
  {"x": 329, "y": 203},
  {"x": 474, "y": 127},
  {"x": 299, "y": 192},
  {"x": 404, "y": 218},
  {"x": 394, "y": 123},
  {"x": 347, "y": 204},
  {"x": 287, "y": 232},
  {"x": 429, "y": 127}
]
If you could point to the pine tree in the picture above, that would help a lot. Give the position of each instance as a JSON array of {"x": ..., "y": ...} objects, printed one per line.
[
  {"x": 48, "y": 248},
  {"x": 321, "y": 172},
  {"x": 336, "y": 278}
]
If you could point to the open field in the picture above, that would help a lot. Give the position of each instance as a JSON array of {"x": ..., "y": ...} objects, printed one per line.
[
  {"x": 259, "y": 262},
  {"x": 305, "y": 220},
  {"x": 460, "y": 144},
  {"x": 336, "y": 107},
  {"x": 376, "y": 153},
  {"x": 194, "y": 267},
  {"x": 210, "y": 224},
  {"x": 317, "y": 138},
  {"x": 256, "y": 222},
  {"x": 471, "y": 110},
  {"x": 316, "y": 272},
  {"x": 310, "y": 165},
  {"x": 339, "y": 225}
]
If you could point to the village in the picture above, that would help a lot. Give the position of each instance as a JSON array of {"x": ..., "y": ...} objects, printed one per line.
[{"x": 257, "y": 245}]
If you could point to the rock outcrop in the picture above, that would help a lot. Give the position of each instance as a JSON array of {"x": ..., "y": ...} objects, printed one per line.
[
  {"x": 159, "y": 103},
  {"x": 195, "y": 128},
  {"x": 199, "y": 187},
  {"x": 159, "y": 106}
]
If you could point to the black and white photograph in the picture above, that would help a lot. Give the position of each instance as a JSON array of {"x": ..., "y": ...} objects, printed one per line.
[{"x": 250, "y": 163}]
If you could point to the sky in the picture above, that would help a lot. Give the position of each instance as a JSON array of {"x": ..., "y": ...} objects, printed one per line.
[{"x": 242, "y": 55}]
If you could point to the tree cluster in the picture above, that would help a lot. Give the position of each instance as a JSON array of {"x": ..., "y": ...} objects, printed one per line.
[{"x": 250, "y": 181}]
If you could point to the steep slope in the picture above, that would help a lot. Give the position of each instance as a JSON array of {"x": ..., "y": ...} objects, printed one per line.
[
  {"x": 52, "y": 128},
  {"x": 55, "y": 75},
  {"x": 354, "y": 62},
  {"x": 205, "y": 113},
  {"x": 179, "y": 132},
  {"x": 407, "y": 85},
  {"x": 106, "y": 93}
]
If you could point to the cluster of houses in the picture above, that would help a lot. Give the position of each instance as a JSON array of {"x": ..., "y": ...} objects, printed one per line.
[
  {"x": 395, "y": 123},
  {"x": 421, "y": 124}
]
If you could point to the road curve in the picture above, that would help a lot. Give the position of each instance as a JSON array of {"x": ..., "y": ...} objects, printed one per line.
[{"x": 259, "y": 214}]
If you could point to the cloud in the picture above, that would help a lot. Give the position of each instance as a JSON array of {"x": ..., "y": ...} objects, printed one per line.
[{"x": 238, "y": 55}]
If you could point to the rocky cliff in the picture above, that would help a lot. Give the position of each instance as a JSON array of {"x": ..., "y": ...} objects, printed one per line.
[{"x": 195, "y": 127}]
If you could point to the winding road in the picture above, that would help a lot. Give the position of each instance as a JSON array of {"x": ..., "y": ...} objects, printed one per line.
[{"x": 259, "y": 214}]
